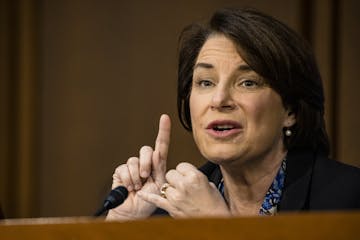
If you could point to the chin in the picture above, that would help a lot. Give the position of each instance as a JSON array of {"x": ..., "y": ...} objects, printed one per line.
[{"x": 222, "y": 156}]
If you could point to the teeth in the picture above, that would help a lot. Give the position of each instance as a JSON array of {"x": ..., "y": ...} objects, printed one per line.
[{"x": 224, "y": 127}]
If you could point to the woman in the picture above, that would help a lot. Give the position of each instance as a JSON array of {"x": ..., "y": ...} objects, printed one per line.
[{"x": 250, "y": 92}]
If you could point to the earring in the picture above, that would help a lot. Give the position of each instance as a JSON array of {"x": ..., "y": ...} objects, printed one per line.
[{"x": 288, "y": 132}]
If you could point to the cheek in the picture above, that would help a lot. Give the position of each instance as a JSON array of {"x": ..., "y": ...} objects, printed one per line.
[
  {"x": 196, "y": 104},
  {"x": 192, "y": 108},
  {"x": 265, "y": 113},
  {"x": 198, "y": 108}
]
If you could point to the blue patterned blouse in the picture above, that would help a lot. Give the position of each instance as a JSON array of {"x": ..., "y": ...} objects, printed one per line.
[{"x": 273, "y": 195}]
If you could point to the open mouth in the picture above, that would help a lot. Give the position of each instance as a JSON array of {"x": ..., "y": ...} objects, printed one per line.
[{"x": 223, "y": 128}]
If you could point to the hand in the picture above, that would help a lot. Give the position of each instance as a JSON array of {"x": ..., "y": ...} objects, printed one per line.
[
  {"x": 189, "y": 194},
  {"x": 146, "y": 172}
]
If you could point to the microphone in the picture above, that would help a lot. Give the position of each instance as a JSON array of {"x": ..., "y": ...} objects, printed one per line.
[{"x": 116, "y": 197}]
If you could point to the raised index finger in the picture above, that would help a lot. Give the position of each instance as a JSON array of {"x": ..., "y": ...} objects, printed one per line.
[{"x": 163, "y": 138}]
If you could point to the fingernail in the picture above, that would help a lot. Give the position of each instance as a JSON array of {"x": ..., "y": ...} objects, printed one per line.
[
  {"x": 137, "y": 186},
  {"x": 129, "y": 188}
]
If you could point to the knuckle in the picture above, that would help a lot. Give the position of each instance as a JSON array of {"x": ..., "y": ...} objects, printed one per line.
[
  {"x": 121, "y": 174},
  {"x": 194, "y": 177}
]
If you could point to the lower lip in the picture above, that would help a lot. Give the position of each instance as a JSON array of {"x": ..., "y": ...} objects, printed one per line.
[{"x": 223, "y": 134}]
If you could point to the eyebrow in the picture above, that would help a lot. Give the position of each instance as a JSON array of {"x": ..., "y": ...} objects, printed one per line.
[
  {"x": 203, "y": 65},
  {"x": 242, "y": 67}
]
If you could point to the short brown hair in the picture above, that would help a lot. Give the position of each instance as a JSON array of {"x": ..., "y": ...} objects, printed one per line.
[{"x": 276, "y": 53}]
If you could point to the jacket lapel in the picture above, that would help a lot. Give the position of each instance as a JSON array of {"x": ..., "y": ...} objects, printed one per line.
[
  {"x": 299, "y": 167},
  {"x": 212, "y": 171}
]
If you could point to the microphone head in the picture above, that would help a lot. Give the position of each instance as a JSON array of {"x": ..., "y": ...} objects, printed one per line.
[{"x": 116, "y": 197}]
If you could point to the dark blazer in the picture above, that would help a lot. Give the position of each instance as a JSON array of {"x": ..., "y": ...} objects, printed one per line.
[{"x": 312, "y": 182}]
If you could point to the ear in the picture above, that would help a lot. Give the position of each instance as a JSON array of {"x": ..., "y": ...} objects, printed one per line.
[{"x": 290, "y": 118}]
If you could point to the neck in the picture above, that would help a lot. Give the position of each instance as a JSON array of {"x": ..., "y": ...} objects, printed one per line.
[{"x": 246, "y": 184}]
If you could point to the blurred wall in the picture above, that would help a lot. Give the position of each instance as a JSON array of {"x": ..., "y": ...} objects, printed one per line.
[
  {"x": 109, "y": 71},
  {"x": 106, "y": 70}
]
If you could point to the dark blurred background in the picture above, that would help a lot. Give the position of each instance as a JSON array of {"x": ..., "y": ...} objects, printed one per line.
[{"x": 84, "y": 82}]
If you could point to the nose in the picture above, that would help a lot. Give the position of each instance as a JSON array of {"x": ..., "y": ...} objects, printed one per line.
[{"x": 222, "y": 99}]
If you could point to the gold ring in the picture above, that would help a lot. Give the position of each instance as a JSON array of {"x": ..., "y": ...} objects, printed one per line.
[{"x": 163, "y": 189}]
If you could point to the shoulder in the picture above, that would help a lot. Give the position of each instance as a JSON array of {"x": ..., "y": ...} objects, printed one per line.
[
  {"x": 334, "y": 184},
  {"x": 335, "y": 172},
  {"x": 315, "y": 182}
]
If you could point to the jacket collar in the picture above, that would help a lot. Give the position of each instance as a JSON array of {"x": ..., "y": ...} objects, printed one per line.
[
  {"x": 299, "y": 167},
  {"x": 296, "y": 191}
]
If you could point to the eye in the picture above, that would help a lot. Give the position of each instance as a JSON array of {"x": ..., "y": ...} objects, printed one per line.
[
  {"x": 249, "y": 83},
  {"x": 204, "y": 83}
]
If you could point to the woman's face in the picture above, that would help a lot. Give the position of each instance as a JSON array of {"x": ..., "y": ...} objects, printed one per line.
[{"x": 235, "y": 115}]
